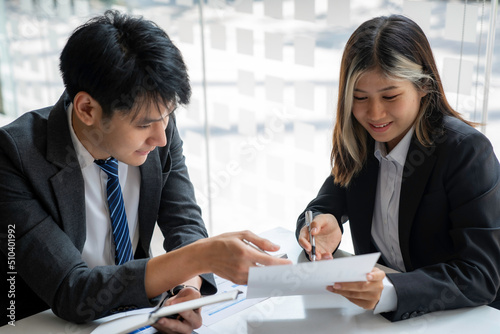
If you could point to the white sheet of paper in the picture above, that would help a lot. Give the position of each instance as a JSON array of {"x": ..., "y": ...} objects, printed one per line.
[{"x": 308, "y": 278}]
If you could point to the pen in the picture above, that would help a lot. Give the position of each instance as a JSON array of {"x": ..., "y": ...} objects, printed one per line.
[
  {"x": 309, "y": 218},
  {"x": 255, "y": 247},
  {"x": 280, "y": 255}
]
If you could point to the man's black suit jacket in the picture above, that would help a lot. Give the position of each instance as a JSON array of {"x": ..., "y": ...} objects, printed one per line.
[{"x": 42, "y": 197}]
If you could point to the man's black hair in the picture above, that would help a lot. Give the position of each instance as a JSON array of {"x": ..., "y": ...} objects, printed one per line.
[{"x": 124, "y": 61}]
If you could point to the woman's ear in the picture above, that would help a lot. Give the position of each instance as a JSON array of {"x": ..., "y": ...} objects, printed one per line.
[
  {"x": 423, "y": 91},
  {"x": 424, "y": 88},
  {"x": 86, "y": 108}
]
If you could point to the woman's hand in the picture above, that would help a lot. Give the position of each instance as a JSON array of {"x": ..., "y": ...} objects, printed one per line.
[
  {"x": 326, "y": 230},
  {"x": 364, "y": 294}
]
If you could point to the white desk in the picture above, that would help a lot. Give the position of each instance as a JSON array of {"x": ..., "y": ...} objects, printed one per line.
[{"x": 297, "y": 314}]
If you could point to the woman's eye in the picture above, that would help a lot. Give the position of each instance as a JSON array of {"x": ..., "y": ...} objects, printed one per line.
[
  {"x": 359, "y": 98},
  {"x": 390, "y": 97}
]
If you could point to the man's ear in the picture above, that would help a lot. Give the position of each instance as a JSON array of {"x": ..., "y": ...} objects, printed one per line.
[{"x": 86, "y": 108}]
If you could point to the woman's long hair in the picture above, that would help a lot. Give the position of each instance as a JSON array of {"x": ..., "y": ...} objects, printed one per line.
[{"x": 397, "y": 47}]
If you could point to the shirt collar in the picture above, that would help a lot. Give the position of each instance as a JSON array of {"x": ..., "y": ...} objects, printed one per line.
[
  {"x": 84, "y": 157},
  {"x": 398, "y": 153}
]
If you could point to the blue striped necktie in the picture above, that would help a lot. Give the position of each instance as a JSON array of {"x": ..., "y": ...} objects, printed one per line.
[{"x": 117, "y": 211}]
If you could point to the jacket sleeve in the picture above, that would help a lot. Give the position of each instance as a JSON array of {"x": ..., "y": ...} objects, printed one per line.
[
  {"x": 468, "y": 273},
  {"x": 179, "y": 217}
]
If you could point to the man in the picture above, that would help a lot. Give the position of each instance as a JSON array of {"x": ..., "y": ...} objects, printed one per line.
[{"x": 82, "y": 184}]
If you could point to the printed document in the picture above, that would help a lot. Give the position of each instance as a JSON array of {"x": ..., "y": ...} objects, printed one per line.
[{"x": 308, "y": 278}]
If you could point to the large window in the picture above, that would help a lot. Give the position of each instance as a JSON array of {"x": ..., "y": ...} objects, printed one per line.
[{"x": 264, "y": 76}]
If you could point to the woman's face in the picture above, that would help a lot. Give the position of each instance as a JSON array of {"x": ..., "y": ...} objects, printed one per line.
[{"x": 386, "y": 108}]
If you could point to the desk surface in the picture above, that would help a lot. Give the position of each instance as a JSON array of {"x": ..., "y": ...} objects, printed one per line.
[{"x": 302, "y": 314}]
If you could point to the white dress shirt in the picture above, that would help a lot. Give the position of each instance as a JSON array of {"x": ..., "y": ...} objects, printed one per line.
[
  {"x": 385, "y": 227},
  {"x": 385, "y": 224},
  {"x": 99, "y": 248}
]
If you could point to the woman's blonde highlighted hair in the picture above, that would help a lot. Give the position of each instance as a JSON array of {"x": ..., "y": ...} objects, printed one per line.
[{"x": 398, "y": 48}]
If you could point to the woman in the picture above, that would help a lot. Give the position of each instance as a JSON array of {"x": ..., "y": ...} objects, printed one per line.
[{"x": 415, "y": 180}]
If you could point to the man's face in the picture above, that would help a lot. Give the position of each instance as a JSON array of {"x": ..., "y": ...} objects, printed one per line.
[{"x": 127, "y": 138}]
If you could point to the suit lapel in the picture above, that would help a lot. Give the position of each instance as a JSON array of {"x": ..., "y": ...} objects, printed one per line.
[
  {"x": 68, "y": 184},
  {"x": 154, "y": 173},
  {"x": 149, "y": 202},
  {"x": 418, "y": 167},
  {"x": 69, "y": 190}
]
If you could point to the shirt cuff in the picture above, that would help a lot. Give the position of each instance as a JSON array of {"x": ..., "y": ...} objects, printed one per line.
[{"x": 388, "y": 300}]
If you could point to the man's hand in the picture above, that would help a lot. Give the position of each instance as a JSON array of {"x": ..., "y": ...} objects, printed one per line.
[
  {"x": 228, "y": 256},
  {"x": 186, "y": 321},
  {"x": 327, "y": 233},
  {"x": 364, "y": 294}
]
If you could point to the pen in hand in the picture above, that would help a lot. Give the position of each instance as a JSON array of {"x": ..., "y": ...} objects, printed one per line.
[
  {"x": 309, "y": 218},
  {"x": 255, "y": 247},
  {"x": 280, "y": 255}
]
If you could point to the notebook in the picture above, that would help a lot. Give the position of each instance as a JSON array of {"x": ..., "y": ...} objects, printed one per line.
[{"x": 147, "y": 317}]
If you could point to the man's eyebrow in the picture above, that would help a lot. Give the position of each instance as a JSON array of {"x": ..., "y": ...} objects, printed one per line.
[
  {"x": 147, "y": 120},
  {"x": 381, "y": 90}
]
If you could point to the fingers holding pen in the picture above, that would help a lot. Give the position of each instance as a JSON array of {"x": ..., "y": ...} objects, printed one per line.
[
  {"x": 306, "y": 232},
  {"x": 259, "y": 247},
  {"x": 327, "y": 235},
  {"x": 321, "y": 252},
  {"x": 186, "y": 321},
  {"x": 312, "y": 241},
  {"x": 304, "y": 239},
  {"x": 233, "y": 256},
  {"x": 262, "y": 243}
]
